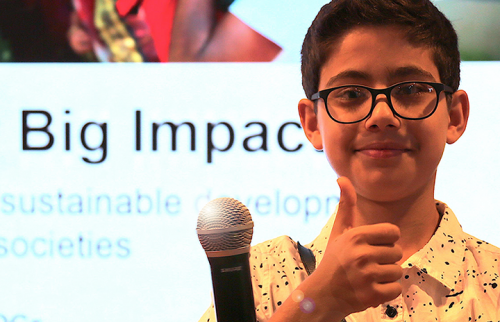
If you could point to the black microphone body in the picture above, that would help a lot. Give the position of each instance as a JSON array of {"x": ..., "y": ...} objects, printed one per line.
[
  {"x": 225, "y": 229},
  {"x": 232, "y": 287}
]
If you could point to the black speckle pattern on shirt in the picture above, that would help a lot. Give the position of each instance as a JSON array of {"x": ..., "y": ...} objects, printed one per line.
[{"x": 453, "y": 278}]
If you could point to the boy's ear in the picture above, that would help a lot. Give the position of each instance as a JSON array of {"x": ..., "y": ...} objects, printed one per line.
[
  {"x": 309, "y": 121},
  {"x": 459, "y": 115}
]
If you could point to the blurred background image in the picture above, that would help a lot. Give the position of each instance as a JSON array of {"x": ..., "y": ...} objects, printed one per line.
[{"x": 151, "y": 30}]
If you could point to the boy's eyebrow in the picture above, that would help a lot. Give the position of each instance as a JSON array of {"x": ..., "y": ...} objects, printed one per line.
[
  {"x": 348, "y": 74},
  {"x": 411, "y": 71}
]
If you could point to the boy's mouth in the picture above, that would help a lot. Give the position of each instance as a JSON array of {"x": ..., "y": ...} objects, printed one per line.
[{"x": 382, "y": 150}]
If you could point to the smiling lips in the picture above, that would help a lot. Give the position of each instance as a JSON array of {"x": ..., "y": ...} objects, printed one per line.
[{"x": 382, "y": 150}]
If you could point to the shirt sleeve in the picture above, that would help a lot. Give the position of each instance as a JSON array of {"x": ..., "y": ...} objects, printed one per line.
[
  {"x": 276, "y": 271},
  {"x": 209, "y": 315}
]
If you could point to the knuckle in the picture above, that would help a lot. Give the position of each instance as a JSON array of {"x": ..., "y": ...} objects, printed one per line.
[
  {"x": 372, "y": 275},
  {"x": 362, "y": 258},
  {"x": 363, "y": 281},
  {"x": 357, "y": 236}
]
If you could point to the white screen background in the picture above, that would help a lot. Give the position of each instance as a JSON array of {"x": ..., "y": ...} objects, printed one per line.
[{"x": 136, "y": 256}]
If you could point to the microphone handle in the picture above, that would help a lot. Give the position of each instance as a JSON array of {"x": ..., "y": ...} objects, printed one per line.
[{"x": 232, "y": 286}]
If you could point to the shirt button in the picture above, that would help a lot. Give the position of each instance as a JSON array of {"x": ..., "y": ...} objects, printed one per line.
[{"x": 391, "y": 311}]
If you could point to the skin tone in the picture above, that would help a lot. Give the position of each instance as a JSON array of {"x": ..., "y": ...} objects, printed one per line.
[
  {"x": 79, "y": 38},
  {"x": 387, "y": 168},
  {"x": 198, "y": 35}
]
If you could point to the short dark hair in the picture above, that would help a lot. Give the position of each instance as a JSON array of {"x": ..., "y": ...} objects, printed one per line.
[{"x": 424, "y": 24}]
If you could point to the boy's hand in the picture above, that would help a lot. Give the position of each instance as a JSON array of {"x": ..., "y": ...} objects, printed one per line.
[{"x": 360, "y": 263}]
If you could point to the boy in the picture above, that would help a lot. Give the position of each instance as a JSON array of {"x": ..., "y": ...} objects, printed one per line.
[{"x": 382, "y": 80}]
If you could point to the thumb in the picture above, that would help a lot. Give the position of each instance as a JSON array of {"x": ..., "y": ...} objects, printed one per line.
[{"x": 347, "y": 208}]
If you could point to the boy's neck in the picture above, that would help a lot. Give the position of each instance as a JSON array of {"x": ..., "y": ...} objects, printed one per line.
[{"x": 416, "y": 216}]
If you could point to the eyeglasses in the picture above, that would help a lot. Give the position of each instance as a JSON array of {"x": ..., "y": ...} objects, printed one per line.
[{"x": 409, "y": 100}]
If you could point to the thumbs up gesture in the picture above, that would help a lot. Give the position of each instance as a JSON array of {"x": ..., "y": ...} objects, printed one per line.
[{"x": 359, "y": 267}]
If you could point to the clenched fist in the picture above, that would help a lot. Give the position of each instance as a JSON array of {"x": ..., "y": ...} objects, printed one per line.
[{"x": 359, "y": 268}]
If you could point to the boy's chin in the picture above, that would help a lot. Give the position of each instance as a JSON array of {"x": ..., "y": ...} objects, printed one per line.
[{"x": 389, "y": 188}]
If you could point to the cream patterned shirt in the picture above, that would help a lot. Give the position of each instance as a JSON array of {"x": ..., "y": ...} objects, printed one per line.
[{"x": 454, "y": 277}]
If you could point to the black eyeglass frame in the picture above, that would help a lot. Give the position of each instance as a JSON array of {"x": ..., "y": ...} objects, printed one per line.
[{"x": 439, "y": 87}]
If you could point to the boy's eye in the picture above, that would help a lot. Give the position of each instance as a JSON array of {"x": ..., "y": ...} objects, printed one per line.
[
  {"x": 414, "y": 96},
  {"x": 349, "y": 93},
  {"x": 348, "y": 99},
  {"x": 412, "y": 89}
]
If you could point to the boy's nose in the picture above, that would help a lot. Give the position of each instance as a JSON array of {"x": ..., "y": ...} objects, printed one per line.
[{"x": 382, "y": 116}]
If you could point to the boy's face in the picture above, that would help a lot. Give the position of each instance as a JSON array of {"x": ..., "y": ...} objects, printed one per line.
[{"x": 386, "y": 158}]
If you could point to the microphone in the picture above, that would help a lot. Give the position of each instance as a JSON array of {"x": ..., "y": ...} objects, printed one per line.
[{"x": 225, "y": 229}]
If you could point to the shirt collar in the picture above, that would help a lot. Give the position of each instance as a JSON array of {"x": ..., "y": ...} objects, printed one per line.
[{"x": 442, "y": 257}]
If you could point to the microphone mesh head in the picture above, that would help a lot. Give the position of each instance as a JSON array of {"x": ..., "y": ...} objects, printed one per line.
[{"x": 224, "y": 213}]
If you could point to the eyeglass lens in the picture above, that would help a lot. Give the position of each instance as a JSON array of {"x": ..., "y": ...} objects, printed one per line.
[{"x": 410, "y": 100}]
